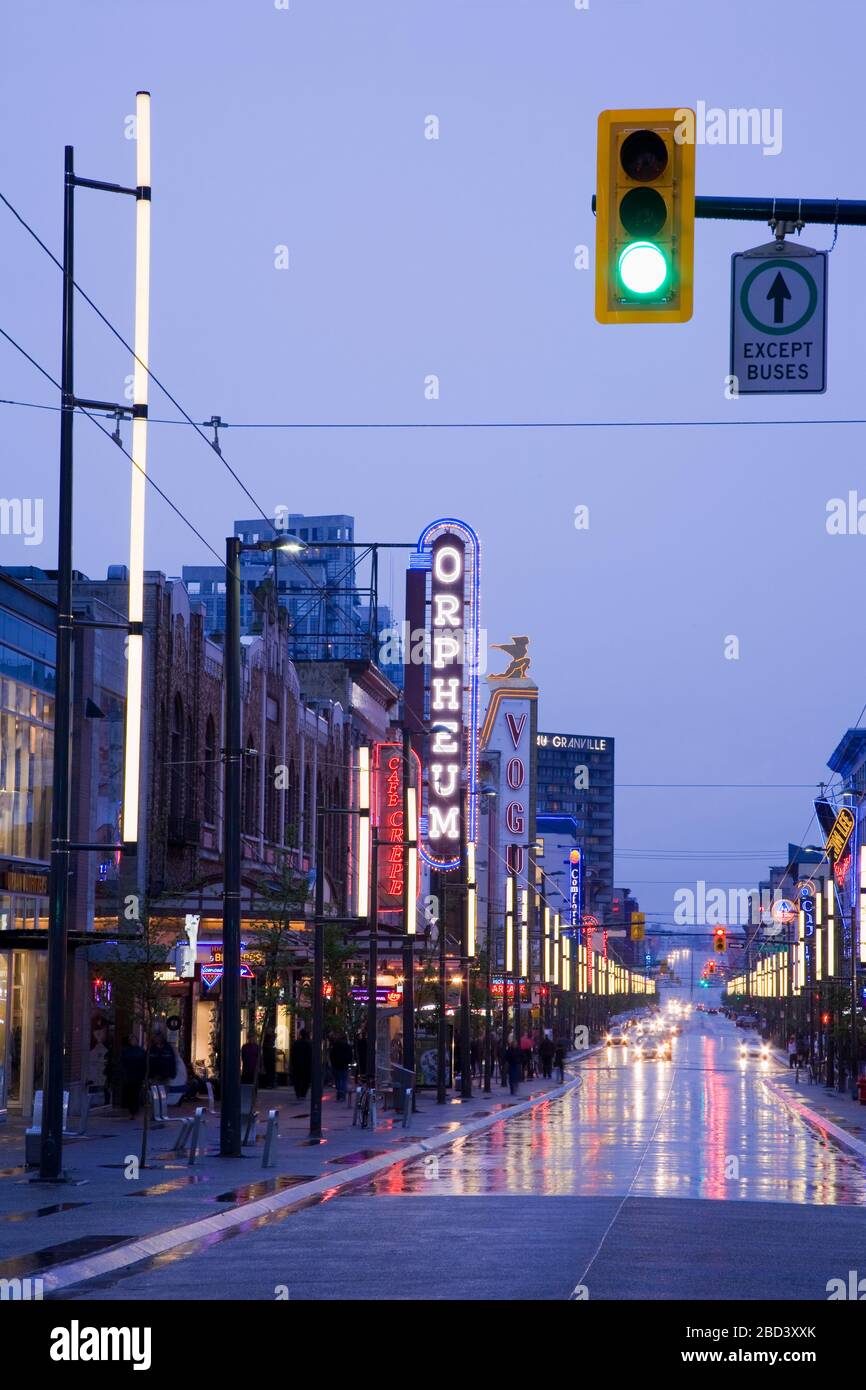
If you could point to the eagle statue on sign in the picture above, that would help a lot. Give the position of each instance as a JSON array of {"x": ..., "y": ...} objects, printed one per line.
[{"x": 519, "y": 663}]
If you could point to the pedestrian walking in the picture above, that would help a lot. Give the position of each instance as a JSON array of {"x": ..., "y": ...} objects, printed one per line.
[
  {"x": 526, "y": 1055},
  {"x": 341, "y": 1060},
  {"x": 514, "y": 1062},
  {"x": 559, "y": 1061},
  {"x": 301, "y": 1064},
  {"x": 361, "y": 1052},
  {"x": 546, "y": 1052},
  {"x": 792, "y": 1051}
]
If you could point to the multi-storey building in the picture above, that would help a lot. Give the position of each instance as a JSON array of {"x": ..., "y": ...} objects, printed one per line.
[{"x": 576, "y": 778}]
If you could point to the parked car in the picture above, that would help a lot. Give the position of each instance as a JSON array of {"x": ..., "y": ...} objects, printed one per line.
[{"x": 748, "y": 1021}]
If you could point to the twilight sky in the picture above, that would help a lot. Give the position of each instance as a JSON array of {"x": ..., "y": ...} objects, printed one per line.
[{"x": 305, "y": 127}]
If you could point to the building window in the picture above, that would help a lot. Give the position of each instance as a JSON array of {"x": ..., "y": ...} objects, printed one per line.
[
  {"x": 251, "y": 795},
  {"x": 210, "y": 772},
  {"x": 175, "y": 799}
]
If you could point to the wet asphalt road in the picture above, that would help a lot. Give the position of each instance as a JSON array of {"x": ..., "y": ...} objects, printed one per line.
[{"x": 652, "y": 1180}]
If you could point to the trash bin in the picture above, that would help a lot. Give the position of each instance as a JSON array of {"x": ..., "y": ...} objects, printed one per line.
[{"x": 402, "y": 1079}]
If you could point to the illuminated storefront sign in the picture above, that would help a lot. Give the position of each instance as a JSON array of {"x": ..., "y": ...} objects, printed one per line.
[
  {"x": 388, "y": 819},
  {"x": 449, "y": 548},
  {"x": 840, "y": 834},
  {"x": 499, "y": 983},
  {"x": 572, "y": 741},
  {"x": 575, "y": 885},
  {"x": 385, "y": 994}
]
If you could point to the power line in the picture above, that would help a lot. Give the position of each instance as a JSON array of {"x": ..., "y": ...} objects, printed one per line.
[
  {"x": 188, "y": 422},
  {"x": 81, "y": 411}
]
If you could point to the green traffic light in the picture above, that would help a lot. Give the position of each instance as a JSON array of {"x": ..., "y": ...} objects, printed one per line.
[{"x": 643, "y": 268}]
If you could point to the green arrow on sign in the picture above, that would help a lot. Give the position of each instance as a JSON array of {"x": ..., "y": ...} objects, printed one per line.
[{"x": 778, "y": 292}]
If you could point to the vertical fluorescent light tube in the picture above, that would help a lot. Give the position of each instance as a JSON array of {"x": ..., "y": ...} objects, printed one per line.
[
  {"x": 363, "y": 870},
  {"x": 524, "y": 932},
  {"x": 819, "y": 962},
  {"x": 862, "y": 913},
  {"x": 509, "y": 929},
  {"x": 138, "y": 450},
  {"x": 547, "y": 945},
  {"x": 557, "y": 949},
  {"x": 471, "y": 899},
  {"x": 831, "y": 929},
  {"x": 410, "y": 923}
]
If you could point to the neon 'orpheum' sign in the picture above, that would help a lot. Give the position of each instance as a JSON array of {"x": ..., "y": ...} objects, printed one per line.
[{"x": 448, "y": 550}]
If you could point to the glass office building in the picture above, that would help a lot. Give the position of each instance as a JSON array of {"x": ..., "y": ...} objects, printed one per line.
[
  {"x": 27, "y": 684},
  {"x": 576, "y": 778}
]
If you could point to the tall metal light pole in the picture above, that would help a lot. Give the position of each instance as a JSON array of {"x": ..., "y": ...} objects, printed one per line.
[
  {"x": 410, "y": 852},
  {"x": 51, "y": 1146},
  {"x": 230, "y": 1002},
  {"x": 318, "y": 1029},
  {"x": 51, "y": 1154}
]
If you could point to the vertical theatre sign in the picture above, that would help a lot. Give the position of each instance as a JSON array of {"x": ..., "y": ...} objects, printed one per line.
[
  {"x": 388, "y": 819},
  {"x": 510, "y": 729},
  {"x": 448, "y": 551}
]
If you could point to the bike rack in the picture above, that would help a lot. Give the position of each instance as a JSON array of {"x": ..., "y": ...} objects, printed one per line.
[{"x": 269, "y": 1153}]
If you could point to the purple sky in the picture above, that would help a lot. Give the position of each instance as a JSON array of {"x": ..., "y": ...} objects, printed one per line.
[{"x": 411, "y": 256}]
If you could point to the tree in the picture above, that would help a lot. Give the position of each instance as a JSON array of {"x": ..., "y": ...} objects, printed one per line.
[
  {"x": 134, "y": 972},
  {"x": 278, "y": 902}
]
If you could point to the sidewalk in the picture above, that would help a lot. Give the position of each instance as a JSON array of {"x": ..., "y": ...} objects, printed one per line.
[
  {"x": 828, "y": 1110},
  {"x": 85, "y": 1228}
]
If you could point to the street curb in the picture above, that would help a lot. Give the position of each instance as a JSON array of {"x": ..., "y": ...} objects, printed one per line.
[
  {"x": 147, "y": 1247},
  {"x": 813, "y": 1117}
]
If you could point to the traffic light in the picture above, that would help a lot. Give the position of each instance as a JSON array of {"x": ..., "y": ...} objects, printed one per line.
[
  {"x": 645, "y": 216},
  {"x": 720, "y": 942}
]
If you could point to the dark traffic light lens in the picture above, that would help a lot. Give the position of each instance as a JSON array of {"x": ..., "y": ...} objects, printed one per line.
[
  {"x": 644, "y": 156},
  {"x": 643, "y": 212}
]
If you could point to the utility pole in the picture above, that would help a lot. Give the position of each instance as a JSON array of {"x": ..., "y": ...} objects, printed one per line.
[
  {"x": 230, "y": 1001},
  {"x": 51, "y": 1152},
  {"x": 408, "y": 938},
  {"x": 318, "y": 1020}
]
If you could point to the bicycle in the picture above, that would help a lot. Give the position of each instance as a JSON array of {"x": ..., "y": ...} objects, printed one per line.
[{"x": 365, "y": 1106}]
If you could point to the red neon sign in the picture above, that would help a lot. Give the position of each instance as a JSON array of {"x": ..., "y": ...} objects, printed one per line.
[{"x": 388, "y": 820}]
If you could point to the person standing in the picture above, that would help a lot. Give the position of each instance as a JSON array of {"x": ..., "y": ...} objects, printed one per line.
[
  {"x": 249, "y": 1061},
  {"x": 341, "y": 1060},
  {"x": 269, "y": 1061},
  {"x": 133, "y": 1064},
  {"x": 559, "y": 1061},
  {"x": 546, "y": 1053},
  {"x": 792, "y": 1051},
  {"x": 514, "y": 1062},
  {"x": 301, "y": 1064}
]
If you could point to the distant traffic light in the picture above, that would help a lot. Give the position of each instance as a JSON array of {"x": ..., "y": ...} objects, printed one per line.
[
  {"x": 645, "y": 216},
  {"x": 720, "y": 942}
]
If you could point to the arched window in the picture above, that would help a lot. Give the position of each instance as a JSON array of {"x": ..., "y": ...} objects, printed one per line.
[
  {"x": 251, "y": 791},
  {"x": 292, "y": 805},
  {"x": 210, "y": 772},
  {"x": 175, "y": 798},
  {"x": 272, "y": 799},
  {"x": 309, "y": 810},
  {"x": 190, "y": 771}
]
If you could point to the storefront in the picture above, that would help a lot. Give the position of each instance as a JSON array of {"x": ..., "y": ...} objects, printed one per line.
[{"x": 27, "y": 654}]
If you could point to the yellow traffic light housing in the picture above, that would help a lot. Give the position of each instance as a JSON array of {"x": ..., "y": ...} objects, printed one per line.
[
  {"x": 645, "y": 216},
  {"x": 720, "y": 943}
]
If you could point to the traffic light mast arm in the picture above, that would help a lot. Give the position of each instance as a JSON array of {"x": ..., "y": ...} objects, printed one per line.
[{"x": 844, "y": 212}]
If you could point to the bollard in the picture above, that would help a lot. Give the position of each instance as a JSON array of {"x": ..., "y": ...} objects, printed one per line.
[
  {"x": 197, "y": 1124},
  {"x": 408, "y": 1099},
  {"x": 269, "y": 1153}
]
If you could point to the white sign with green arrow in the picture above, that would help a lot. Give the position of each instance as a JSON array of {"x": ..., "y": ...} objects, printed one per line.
[{"x": 779, "y": 320}]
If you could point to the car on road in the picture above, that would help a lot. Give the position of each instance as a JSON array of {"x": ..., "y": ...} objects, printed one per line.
[
  {"x": 754, "y": 1051},
  {"x": 653, "y": 1049},
  {"x": 616, "y": 1037},
  {"x": 748, "y": 1021},
  {"x": 712, "y": 1011}
]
